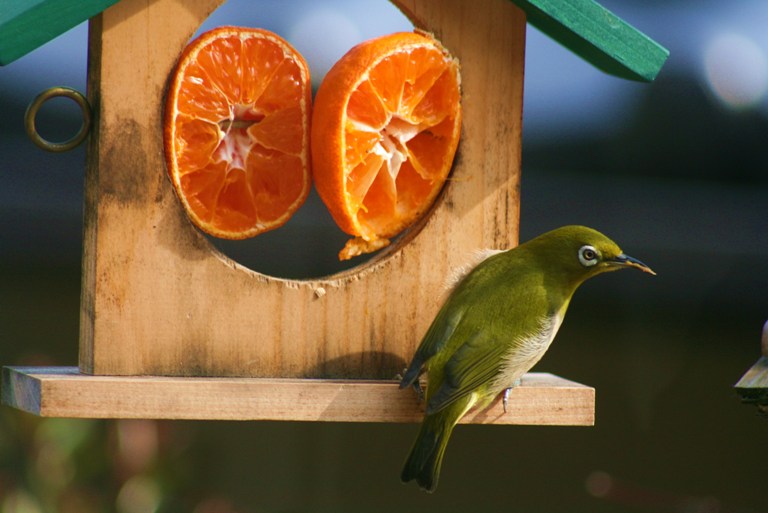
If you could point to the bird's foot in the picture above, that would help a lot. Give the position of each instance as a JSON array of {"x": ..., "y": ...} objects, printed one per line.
[
  {"x": 419, "y": 390},
  {"x": 416, "y": 385},
  {"x": 505, "y": 398}
]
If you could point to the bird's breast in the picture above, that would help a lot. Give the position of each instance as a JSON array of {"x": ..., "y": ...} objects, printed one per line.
[{"x": 525, "y": 352}]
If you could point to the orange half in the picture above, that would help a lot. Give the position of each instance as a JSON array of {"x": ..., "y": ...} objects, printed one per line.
[
  {"x": 236, "y": 131},
  {"x": 385, "y": 128}
]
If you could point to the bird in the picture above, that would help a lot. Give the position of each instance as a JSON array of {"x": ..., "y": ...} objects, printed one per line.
[{"x": 496, "y": 323}]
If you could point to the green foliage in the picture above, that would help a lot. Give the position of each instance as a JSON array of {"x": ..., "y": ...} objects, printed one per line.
[{"x": 95, "y": 466}]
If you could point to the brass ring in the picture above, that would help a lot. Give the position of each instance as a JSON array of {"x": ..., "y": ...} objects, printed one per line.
[{"x": 34, "y": 108}]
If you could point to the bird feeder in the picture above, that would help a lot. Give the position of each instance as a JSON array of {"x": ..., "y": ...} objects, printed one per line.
[
  {"x": 171, "y": 328},
  {"x": 752, "y": 388}
]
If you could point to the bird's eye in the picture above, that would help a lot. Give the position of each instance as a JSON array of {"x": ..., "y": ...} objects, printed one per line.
[{"x": 588, "y": 256}]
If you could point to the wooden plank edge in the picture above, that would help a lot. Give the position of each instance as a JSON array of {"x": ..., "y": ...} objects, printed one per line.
[
  {"x": 753, "y": 385},
  {"x": 541, "y": 399},
  {"x": 20, "y": 390}
]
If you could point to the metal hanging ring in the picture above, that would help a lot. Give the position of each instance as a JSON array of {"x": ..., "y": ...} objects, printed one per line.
[{"x": 34, "y": 108}]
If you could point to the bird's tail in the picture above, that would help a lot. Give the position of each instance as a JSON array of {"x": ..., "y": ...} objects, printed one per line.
[{"x": 426, "y": 457}]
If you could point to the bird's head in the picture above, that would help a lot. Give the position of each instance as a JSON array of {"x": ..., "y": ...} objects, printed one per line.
[{"x": 581, "y": 252}]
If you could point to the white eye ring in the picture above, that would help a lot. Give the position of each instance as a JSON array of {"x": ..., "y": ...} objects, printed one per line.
[{"x": 588, "y": 256}]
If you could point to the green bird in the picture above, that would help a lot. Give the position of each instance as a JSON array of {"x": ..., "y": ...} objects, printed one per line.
[{"x": 498, "y": 321}]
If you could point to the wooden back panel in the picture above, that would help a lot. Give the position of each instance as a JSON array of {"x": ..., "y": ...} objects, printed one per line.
[{"x": 158, "y": 299}]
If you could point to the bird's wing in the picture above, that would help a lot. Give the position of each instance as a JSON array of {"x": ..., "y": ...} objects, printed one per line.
[
  {"x": 475, "y": 363},
  {"x": 437, "y": 336},
  {"x": 440, "y": 334},
  {"x": 493, "y": 328}
]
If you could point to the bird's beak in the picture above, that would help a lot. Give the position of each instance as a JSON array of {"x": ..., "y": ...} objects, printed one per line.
[{"x": 627, "y": 261}]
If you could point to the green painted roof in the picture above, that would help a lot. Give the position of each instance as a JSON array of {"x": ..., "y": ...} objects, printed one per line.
[
  {"x": 598, "y": 36},
  {"x": 28, "y": 24},
  {"x": 584, "y": 26}
]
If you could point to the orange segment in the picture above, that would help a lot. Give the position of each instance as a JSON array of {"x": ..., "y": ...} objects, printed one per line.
[
  {"x": 236, "y": 131},
  {"x": 385, "y": 128}
]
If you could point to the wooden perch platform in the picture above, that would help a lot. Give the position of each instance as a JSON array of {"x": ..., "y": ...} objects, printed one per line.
[
  {"x": 541, "y": 399},
  {"x": 753, "y": 386}
]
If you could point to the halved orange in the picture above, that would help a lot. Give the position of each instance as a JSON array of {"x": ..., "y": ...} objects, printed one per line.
[
  {"x": 385, "y": 127},
  {"x": 236, "y": 131}
]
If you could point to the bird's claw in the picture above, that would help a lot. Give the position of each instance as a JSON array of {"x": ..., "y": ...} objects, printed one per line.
[
  {"x": 416, "y": 385},
  {"x": 505, "y": 398},
  {"x": 419, "y": 391}
]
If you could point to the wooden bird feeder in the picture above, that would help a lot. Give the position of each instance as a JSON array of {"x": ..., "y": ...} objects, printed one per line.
[
  {"x": 752, "y": 388},
  {"x": 171, "y": 328}
]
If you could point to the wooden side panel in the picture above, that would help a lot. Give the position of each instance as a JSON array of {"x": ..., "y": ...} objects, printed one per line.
[{"x": 159, "y": 300}]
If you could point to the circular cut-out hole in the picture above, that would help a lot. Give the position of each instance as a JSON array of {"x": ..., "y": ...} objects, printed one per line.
[{"x": 307, "y": 245}]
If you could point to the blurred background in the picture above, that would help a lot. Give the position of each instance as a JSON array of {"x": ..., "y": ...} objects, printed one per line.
[{"x": 676, "y": 171}]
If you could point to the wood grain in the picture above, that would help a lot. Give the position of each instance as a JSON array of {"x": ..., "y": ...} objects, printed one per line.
[
  {"x": 158, "y": 299},
  {"x": 541, "y": 399}
]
